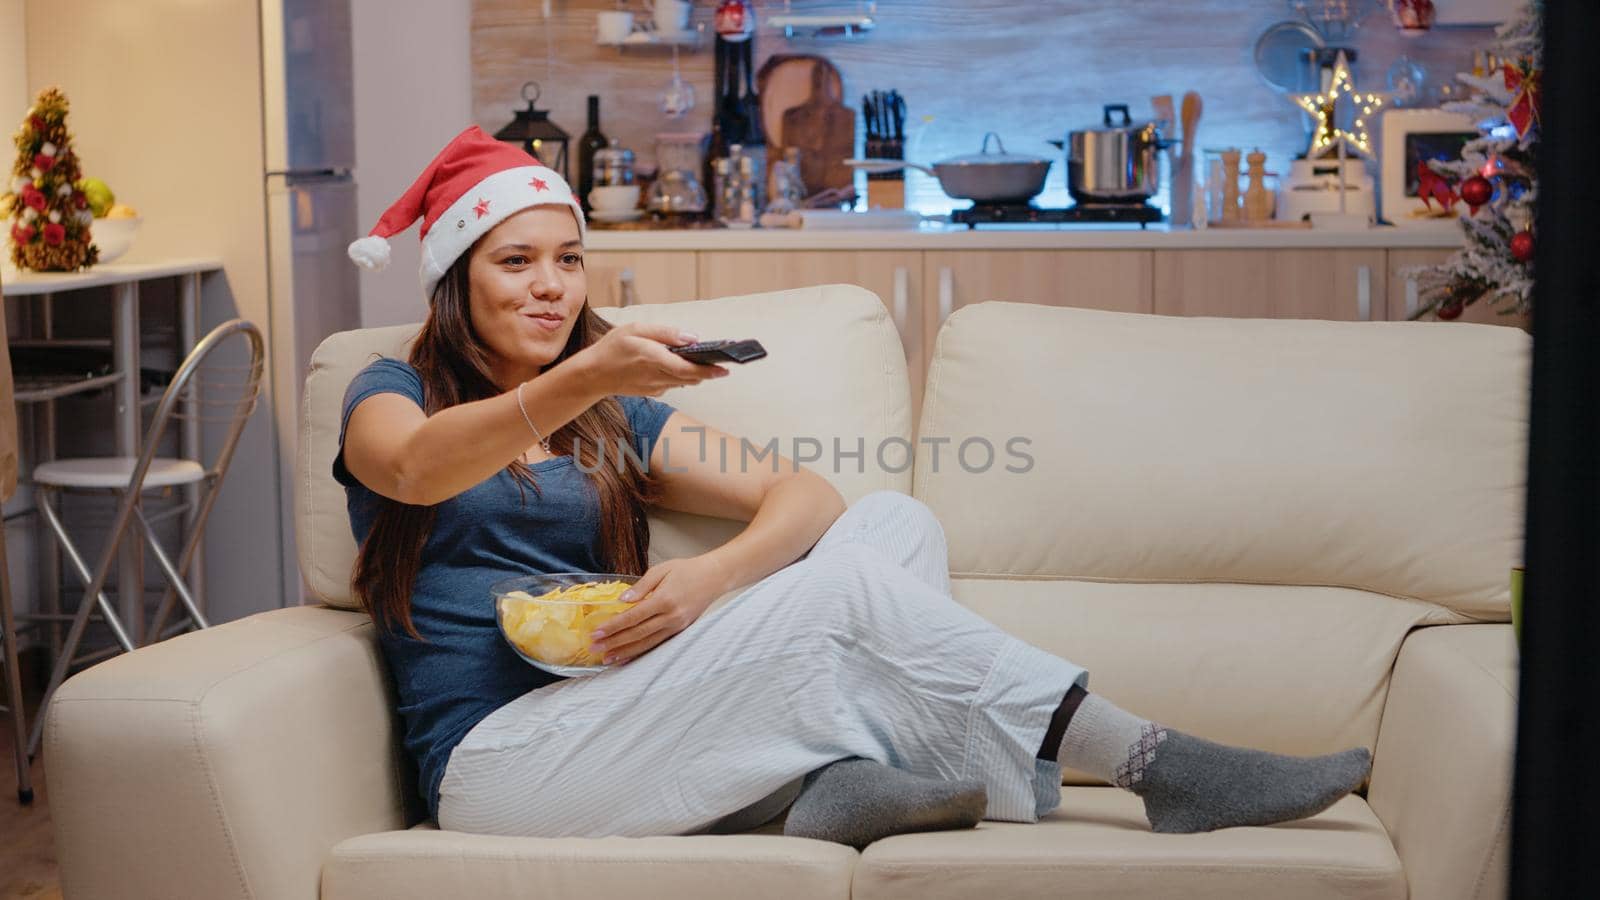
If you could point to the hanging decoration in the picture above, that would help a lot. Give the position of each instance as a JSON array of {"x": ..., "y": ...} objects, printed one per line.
[{"x": 1329, "y": 107}]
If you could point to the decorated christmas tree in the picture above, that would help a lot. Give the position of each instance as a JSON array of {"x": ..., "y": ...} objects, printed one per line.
[
  {"x": 1497, "y": 177},
  {"x": 49, "y": 216}
]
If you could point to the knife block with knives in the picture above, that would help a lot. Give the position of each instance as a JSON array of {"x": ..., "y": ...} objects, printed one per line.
[{"x": 885, "y": 112}]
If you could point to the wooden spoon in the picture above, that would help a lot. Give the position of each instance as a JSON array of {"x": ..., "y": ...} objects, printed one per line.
[{"x": 1191, "y": 121}]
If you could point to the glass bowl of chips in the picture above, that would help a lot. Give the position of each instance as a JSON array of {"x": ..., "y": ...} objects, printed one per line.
[{"x": 547, "y": 619}]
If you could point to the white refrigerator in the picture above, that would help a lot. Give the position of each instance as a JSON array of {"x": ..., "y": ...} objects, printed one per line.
[{"x": 309, "y": 120}]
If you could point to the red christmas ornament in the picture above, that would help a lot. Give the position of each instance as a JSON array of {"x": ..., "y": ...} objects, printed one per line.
[
  {"x": 1449, "y": 311},
  {"x": 1522, "y": 246},
  {"x": 21, "y": 234},
  {"x": 43, "y": 162},
  {"x": 32, "y": 196},
  {"x": 1476, "y": 191},
  {"x": 55, "y": 233}
]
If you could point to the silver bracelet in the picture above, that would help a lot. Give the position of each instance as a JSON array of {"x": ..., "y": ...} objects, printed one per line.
[{"x": 543, "y": 441}]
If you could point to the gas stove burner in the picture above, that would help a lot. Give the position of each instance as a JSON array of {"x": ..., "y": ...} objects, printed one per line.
[{"x": 1028, "y": 214}]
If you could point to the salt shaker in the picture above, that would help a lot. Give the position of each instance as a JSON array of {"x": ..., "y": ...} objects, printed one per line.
[{"x": 1257, "y": 199}]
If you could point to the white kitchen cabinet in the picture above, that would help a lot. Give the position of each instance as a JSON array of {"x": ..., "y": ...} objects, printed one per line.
[
  {"x": 1341, "y": 284},
  {"x": 1117, "y": 280},
  {"x": 894, "y": 275}
]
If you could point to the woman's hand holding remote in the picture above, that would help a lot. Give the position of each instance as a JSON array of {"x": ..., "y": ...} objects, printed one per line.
[{"x": 633, "y": 359}]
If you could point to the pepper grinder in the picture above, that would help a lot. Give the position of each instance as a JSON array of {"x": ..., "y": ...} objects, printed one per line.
[
  {"x": 1230, "y": 185},
  {"x": 1257, "y": 199}
]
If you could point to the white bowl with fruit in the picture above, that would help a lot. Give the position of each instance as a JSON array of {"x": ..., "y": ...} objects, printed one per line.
[
  {"x": 114, "y": 224},
  {"x": 114, "y": 232}
]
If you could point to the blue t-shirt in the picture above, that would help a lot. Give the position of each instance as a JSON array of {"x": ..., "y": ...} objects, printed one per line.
[{"x": 465, "y": 670}]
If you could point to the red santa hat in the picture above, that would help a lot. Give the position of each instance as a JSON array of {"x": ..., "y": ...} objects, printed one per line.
[{"x": 474, "y": 184}]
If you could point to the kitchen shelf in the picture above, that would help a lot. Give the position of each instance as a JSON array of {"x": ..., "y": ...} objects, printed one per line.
[
  {"x": 837, "y": 26},
  {"x": 38, "y": 390},
  {"x": 81, "y": 343},
  {"x": 688, "y": 40}
]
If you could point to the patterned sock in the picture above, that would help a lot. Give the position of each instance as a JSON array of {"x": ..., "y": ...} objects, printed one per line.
[
  {"x": 1189, "y": 784},
  {"x": 858, "y": 801}
]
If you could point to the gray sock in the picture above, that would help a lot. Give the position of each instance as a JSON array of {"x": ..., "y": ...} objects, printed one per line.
[
  {"x": 1189, "y": 784},
  {"x": 858, "y": 801}
]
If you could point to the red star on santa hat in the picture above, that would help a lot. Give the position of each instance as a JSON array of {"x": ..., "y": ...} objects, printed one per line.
[
  {"x": 538, "y": 185},
  {"x": 482, "y": 209}
]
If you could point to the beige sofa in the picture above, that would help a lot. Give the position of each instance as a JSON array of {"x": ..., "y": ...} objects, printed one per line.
[{"x": 1288, "y": 534}]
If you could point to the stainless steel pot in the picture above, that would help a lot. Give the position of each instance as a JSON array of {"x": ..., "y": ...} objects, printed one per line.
[
  {"x": 983, "y": 177},
  {"x": 1116, "y": 163}
]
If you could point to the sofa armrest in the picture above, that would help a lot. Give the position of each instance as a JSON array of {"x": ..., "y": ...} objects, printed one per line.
[
  {"x": 225, "y": 762},
  {"x": 1442, "y": 771}
]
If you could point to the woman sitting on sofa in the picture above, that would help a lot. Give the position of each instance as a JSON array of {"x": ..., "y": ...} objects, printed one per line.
[{"x": 844, "y": 684}]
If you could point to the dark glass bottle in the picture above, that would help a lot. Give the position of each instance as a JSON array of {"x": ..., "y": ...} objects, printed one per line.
[{"x": 591, "y": 141}]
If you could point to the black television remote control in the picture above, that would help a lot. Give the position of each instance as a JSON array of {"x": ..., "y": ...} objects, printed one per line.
[{"x": 721, "y": 351}]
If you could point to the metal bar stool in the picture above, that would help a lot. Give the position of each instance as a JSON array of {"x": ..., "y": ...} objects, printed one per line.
[{"x": 224, "y": 401}]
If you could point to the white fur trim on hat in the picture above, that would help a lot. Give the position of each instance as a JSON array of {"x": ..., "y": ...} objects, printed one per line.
[
  {"x": 490, "y": 202},
  {"x": 370, "y": 252}
]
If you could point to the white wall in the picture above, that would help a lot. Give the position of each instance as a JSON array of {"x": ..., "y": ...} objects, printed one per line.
[
  {"x": 13, "y": 64},
  {"x": 413, "y": 93}
]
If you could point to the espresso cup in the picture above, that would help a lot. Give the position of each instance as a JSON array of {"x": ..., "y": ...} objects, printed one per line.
[
  {"x": 671, "y": 16},
  {"x": 614, "y": 197}
]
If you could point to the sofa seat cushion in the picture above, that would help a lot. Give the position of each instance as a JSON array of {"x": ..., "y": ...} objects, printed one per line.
[
  {"x": 426, "y": 864},
  {"x": 1099, "y": 845}
]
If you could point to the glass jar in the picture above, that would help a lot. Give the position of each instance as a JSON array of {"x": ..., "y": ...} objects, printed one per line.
[
  {"x": 1212, "y": 162},
  {"x": 613, "y": 165}
]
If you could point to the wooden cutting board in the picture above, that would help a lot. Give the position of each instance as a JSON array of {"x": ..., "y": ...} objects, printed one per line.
[
  {"x": 825, "y": 131},
  {"x": 784, "y": 82}
]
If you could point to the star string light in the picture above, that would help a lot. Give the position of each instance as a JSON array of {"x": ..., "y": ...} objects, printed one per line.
[{"x": 1325, "y": 106}]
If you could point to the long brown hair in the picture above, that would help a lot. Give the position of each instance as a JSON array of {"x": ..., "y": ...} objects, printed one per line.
[{"x": 454, "y": 365}]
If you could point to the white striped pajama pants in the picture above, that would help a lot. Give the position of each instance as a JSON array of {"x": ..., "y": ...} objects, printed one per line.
[{"x": 856, "y": 650}]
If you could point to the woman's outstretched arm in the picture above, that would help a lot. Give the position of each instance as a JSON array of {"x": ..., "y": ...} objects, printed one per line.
[{"x": 398, "y": 451}]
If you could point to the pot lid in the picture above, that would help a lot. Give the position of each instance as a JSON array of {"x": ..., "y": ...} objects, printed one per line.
[
  {"x": 1122, "y": 121},
  {"x": 986, "y": 157}
]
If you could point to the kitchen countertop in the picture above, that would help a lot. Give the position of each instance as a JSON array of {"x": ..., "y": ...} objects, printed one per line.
[
  {"x": 22, "y": 284},
  {"x": 1064, "y": 237}
]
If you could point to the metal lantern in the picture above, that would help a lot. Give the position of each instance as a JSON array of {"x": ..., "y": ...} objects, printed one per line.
[{"x": 542, "y": 138}]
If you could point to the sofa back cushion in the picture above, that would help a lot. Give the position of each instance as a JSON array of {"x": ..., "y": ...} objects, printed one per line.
[
  {"x": 1382, "y": 456},
  {"x": 1232, "y": 523},
  {"x": 835, "y": 375}
]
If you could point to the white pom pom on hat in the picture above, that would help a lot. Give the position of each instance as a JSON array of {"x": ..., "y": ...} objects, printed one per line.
[
  {"x": 370, "y": 252},
  {"x": 472, "y": 185}
]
